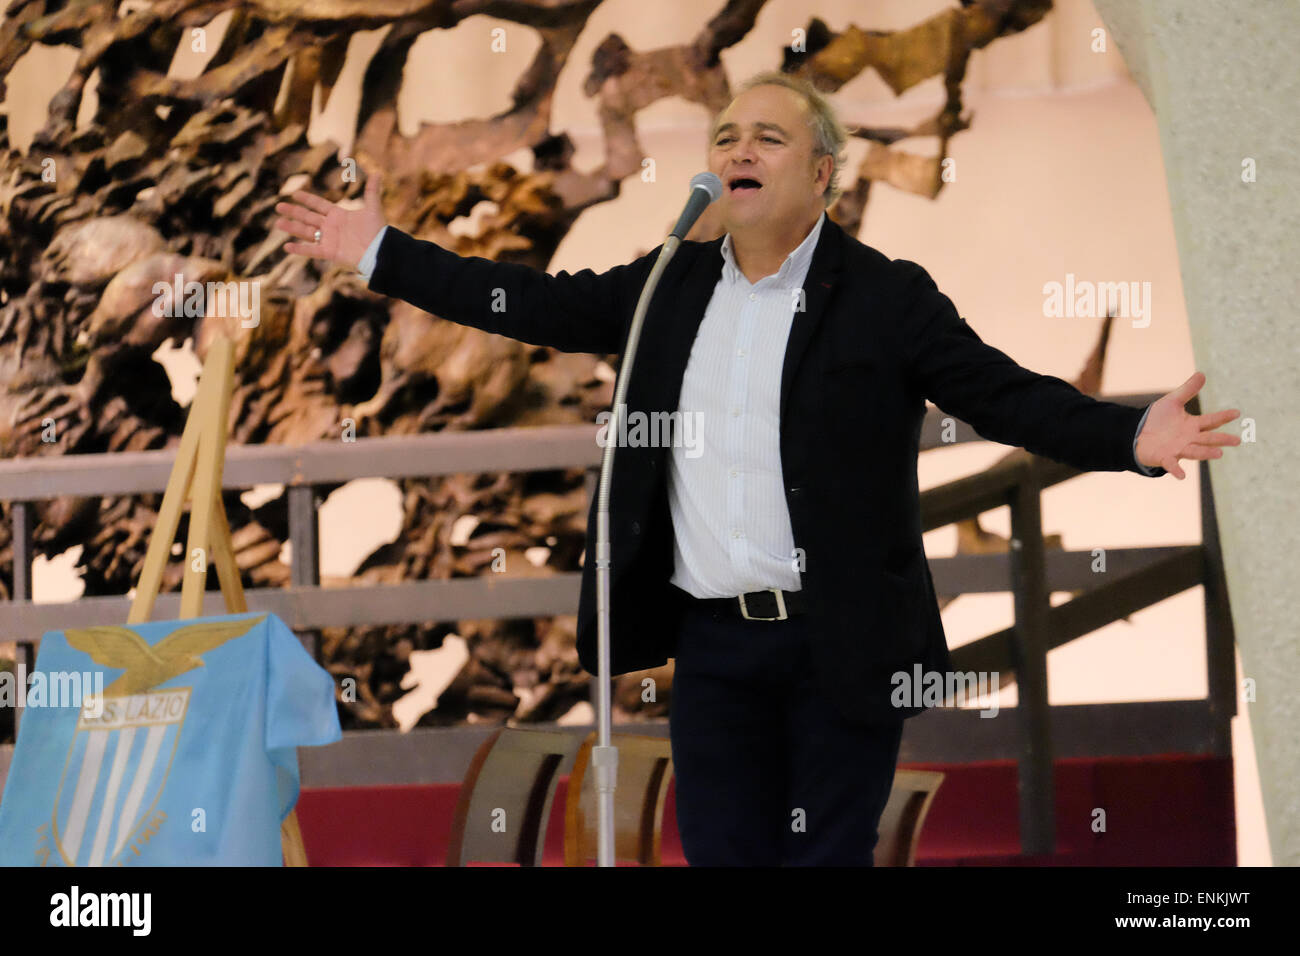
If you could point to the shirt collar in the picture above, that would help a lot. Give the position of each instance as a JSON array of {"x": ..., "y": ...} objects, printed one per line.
[{"x": 795, "y": 261}]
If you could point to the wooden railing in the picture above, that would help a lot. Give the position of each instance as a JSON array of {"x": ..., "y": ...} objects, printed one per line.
[{"x": 1136, "y": 578}]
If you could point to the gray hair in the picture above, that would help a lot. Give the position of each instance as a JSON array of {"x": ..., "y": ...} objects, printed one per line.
[{"x": 829, "y": 135}]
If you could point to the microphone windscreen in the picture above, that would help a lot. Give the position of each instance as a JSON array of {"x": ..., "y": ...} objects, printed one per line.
[
  {"x": 710, "y": 182},
  {"x": 706, "y": 188}
]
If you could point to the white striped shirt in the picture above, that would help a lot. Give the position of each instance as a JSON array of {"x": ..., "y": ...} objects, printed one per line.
[
  {"x": 726, "y": 495},
  {"x": 731, "y": 525}
]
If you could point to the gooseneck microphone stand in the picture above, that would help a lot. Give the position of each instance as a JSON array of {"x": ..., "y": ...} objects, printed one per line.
[{"x": 705, "y": 188}]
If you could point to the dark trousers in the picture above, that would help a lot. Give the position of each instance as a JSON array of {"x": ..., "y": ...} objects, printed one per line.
[{"x": 768, "y": 772}]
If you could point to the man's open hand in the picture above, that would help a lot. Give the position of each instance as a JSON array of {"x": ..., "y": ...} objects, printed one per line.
[
  {"x": 345, "y": 234},
  {"x": 1169, "y": 433}
]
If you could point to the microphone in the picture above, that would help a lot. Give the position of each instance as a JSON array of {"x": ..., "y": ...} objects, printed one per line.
[{"x": 706, "y": 188}]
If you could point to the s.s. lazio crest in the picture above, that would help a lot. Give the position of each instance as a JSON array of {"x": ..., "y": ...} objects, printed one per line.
[{"x": 122, "y": 749}]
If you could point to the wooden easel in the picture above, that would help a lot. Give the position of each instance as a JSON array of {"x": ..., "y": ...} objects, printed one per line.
[{"x": 196, "y": 480}]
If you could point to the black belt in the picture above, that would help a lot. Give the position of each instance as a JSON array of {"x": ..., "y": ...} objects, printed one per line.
[{"x": 768, "y": 605}]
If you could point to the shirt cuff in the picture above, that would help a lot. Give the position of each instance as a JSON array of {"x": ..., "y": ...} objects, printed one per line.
[
  {"x": 367, "y": 264},
  {"x": 1149, "y": 472}
]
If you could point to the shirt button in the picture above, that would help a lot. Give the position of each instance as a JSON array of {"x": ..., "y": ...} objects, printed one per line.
[
  {"x": 740, "y": 352},
  {"x": 752, "y": 296},
  {"x": 735, "y": 413},
  {"x": 735, "y": 533},
  {"x": 734, "y": 473}
]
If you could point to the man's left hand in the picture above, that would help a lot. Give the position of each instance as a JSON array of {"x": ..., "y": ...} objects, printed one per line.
[{"x": 1169, "y": 433}]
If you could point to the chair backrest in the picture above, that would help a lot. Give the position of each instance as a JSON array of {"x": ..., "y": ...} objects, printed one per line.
[
  {"x": 505, "y": 801},
  {"x": 645, "y": 768},
  {"x": 900, "y": 824}
]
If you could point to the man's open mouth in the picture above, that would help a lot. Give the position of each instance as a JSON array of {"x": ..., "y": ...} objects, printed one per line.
[{"x": 744, "y": 184}]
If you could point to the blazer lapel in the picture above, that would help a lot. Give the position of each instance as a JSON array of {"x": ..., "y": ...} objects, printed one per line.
[
  {"x": 823, "y": 273},
  {"x": 682, "y": 309},
  {"x": 681, "y": 303}
]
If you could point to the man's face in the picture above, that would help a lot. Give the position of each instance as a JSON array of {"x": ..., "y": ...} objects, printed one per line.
[{"x": 764, "y": 136}]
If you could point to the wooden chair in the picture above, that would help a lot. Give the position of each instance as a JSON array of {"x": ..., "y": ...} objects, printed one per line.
[
  {"x": 645, "y": 768},
  {"x": 900, "y": 824},
  {"x": 505, "y": 801}
]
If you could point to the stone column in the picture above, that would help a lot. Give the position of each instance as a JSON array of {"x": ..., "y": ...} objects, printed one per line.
[{"x": 1223, "y": 81}]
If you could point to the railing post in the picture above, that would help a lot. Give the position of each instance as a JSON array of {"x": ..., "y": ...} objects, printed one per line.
[
  {"x": 1031, "y": 598},
  {"x": 1220, "y": 639},
  {"x": 304, "y": 537}
]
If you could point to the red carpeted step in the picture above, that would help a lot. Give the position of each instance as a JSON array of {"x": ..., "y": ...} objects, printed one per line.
[{"x": 1170, "y": 810}]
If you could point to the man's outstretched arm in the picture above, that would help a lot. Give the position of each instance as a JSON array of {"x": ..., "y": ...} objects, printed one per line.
[
  {"x": 573, "y": 312},
  {"x": 582, "y": 312},
  {"x": 1048, "y": 416}
]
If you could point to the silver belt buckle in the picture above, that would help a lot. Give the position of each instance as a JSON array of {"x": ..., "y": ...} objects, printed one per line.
[{"x": 780, "y": 608}]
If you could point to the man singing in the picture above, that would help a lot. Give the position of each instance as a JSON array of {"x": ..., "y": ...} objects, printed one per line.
[{"x": 780, "y": 562}]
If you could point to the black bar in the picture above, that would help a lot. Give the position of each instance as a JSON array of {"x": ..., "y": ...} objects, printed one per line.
[
  {"x": 1220, "y": 638},
  {"x": 1029, "y": 584},
  {"x": 304, "y": 539},
  {"x": 22, "y": 547}
]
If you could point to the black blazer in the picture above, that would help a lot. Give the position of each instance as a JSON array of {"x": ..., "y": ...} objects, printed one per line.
[{"x": 876, "y": 340}]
